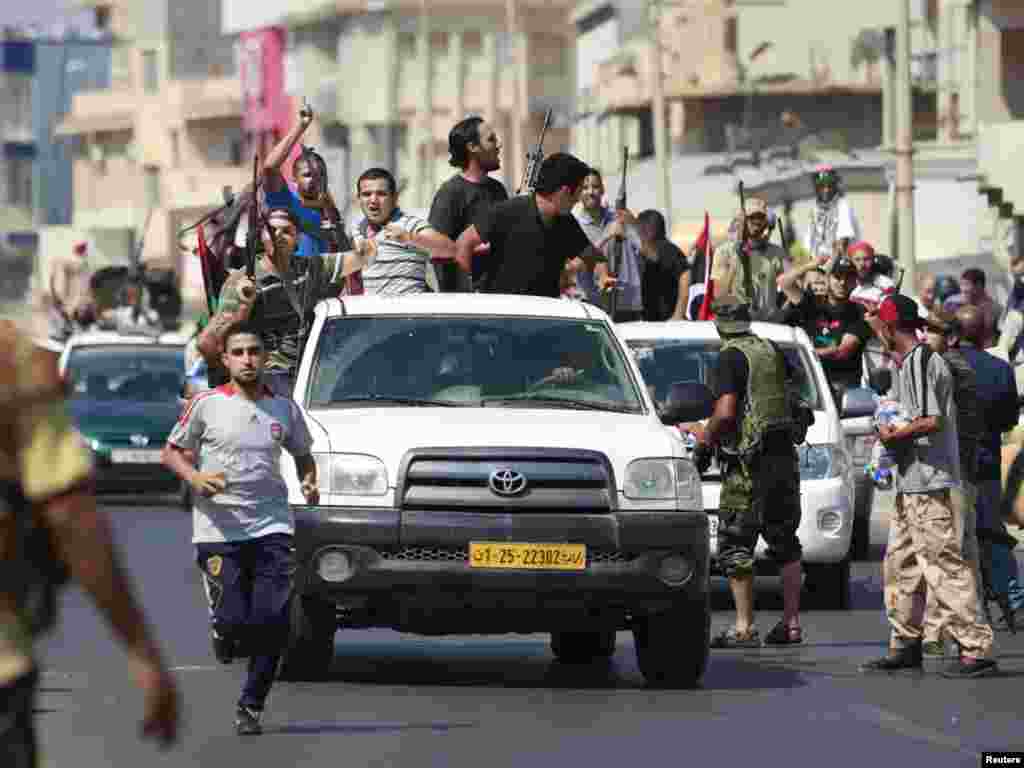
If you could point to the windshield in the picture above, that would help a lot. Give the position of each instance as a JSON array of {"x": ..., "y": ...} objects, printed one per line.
[
  {"x": 664, "y": 362},
  {"x": 471, "y": 361},
  {"x": 145, "y": 373}
]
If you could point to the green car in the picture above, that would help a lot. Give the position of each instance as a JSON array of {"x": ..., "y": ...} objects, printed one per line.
[{"x": 125, "y": 398}]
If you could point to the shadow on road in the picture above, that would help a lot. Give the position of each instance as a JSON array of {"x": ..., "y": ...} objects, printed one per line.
[
  {"x": 529, "y": 665},
  {"x": 325, "y": 726}
]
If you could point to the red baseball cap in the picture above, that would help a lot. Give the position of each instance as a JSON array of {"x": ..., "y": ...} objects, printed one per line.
[
  {"x": 899, "y": 310},
  {"x": 861, "y": 246}
]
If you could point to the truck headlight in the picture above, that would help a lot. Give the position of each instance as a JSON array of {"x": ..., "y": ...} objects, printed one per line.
[
  {"x": 821, "y": 462},
  {"x": 662, "y": 479},
  {"x": 351, "y": 474}
]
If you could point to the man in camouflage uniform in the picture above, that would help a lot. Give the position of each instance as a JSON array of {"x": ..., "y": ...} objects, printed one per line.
[
  {"x": 749, "y": 268},
  {"x": 281, "y": 301},
  {"x": 925, "y": 548},
  {"x": 48, "y": 518},
  {"x": 753, "y": 429}
]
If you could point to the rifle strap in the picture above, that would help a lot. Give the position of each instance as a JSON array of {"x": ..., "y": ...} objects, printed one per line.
[{"x": 748, "y": 278}]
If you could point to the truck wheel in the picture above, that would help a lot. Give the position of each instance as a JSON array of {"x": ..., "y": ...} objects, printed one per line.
[
  {"x": 582, "y": 647},
  {"x": 672, "y": 647},
  {"x": 310, "y": 649},
  {"x": 828, "y": 584}
]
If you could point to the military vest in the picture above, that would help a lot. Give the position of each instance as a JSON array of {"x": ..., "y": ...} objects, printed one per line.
[
  {"x": 282, "y": 325},
  {"x": 766, "y": 407}
]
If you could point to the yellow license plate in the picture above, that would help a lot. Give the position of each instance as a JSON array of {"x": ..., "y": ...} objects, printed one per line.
[{"x": 531, "y": 557}]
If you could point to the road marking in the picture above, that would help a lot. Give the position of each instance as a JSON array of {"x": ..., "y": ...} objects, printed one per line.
[
  {"x": 194, "y": 668},
  {"x": 891, "y": 721}
]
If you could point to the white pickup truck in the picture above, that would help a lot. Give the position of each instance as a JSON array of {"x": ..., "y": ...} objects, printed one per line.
[{"x": 493, "y": 464}]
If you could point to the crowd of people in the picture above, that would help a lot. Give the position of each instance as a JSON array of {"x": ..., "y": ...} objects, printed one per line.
[{"x": 944, "y": 355}]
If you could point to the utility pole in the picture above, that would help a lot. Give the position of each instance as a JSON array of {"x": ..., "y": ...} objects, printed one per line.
[
  {"x": 661, "y": 149},
  {"x": 905, "y": 151},
  {"x": 520, "y": 93}
]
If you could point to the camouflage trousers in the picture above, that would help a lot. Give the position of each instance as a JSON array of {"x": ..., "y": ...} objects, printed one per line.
[
  {"x": 966, "y": 515},
  {"x": 759, "y": 498},
  {"x": 925, "y": 551}
]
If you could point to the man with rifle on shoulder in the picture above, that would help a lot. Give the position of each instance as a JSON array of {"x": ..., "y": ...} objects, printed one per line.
[
  {"x": 536, "y": 242},
  {"x": 614, "y": 233},
  {"x": 276, "y": 293},
  {"x": 750, "y": 266}
]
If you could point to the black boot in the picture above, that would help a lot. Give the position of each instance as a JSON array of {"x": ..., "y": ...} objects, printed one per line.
[{"x": 908, "y": 657}]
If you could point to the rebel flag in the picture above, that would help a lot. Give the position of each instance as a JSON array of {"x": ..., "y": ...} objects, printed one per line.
[{"x": 704, "y": 241}]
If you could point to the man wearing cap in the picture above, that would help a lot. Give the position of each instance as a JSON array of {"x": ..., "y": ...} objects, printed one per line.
[
  {"x": 752, "y": 430},
  {"x": 833, "y": 224},
  {"x": 835, "y": 325},
  {"x": 925, "y": 547},
  {"x": 749, "y": 267},
  {"x": 872, "y": 286}
]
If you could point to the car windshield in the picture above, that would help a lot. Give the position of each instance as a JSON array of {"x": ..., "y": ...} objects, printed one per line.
[
  {"x": 141, "y": 373},
  {"x": 501, "y": 362},
  {"x": 664, "y": 362}
]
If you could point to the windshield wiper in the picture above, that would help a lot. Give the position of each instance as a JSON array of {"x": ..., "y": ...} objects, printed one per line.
[
  {"x": 394, "y": 400},
  {"x": 561, "y": 401}
]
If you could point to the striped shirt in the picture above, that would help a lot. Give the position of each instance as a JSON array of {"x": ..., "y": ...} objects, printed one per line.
[{"x": 398, "y": 268}]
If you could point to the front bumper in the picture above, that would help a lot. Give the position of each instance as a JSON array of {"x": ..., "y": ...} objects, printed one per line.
[
  {"x": 826, "y": 519},
  {"x": 417, "y": 563},
  {"x": 133, "y": 478}
]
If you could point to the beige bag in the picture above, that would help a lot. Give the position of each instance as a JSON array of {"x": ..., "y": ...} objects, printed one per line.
[{"x": 1016, "y": 515}]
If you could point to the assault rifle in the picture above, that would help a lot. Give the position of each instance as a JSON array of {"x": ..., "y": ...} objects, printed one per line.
[
  {"x": 137, "y": 268},
  {"x": 534, "y": 159},
  {"x": 252, "y": 237},
  {"x": 615, "y": 253}
]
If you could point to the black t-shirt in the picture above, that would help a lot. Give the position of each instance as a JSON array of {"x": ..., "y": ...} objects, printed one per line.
[
  {"x": 456, "y": 205},
  {"x": 826, "y": 325},
  {"x": 527, "y": 256},
  {"x": 660, "y": 282}
]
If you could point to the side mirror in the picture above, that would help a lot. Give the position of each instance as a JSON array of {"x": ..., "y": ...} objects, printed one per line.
[
  {"x": 880, "y": 381},
  {"x": 687, "y": 401},
  {"x": 859, "y": 402}
]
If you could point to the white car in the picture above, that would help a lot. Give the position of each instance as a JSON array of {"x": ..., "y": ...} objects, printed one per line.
[
  {"x": 493, "y": 464},
  {"x": 673, "y": 352}
]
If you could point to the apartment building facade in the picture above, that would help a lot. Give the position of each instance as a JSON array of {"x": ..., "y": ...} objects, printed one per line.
[
  {"x": 155, "y": 150},
  {"x": 390, "y": 79}
]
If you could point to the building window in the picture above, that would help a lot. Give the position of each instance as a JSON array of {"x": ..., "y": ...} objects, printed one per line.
[
  {"x": 19, "y": 182},
  {"x": 730, "y": 35},
  {"x": 472, "y": 42},
  {"x": 152, "y": 186},
  {"x": 150, "y": 72},
  {"x": 439, "y": 40}
]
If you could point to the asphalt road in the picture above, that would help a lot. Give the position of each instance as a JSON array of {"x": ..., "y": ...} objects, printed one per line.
[{"x": 490, "y": 702}]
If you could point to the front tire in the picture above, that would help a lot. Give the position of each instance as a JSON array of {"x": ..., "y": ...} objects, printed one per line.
[
  {"x": 672, "y": 647},
  {"x": 582, "y": 647},
  {"x": 309, "y": 652}
]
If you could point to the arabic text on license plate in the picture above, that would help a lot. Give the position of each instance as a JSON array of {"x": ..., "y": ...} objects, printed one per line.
[
  {"x": 135, "y": 457},
  {"x": 543, "y": 557},
  {"x": 713, "y": 532}
]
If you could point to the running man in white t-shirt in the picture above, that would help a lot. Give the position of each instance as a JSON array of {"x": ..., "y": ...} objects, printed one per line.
[{"x": 242, "y": 524}]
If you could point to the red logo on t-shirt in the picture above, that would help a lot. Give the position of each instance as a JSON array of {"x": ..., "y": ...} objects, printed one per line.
[{"x": 276, "y": 432}]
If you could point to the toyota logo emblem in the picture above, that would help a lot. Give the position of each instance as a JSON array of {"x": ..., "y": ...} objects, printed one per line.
[
  {"x": 507, "y": 482},
  {"x": 139, "y": 440}
]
